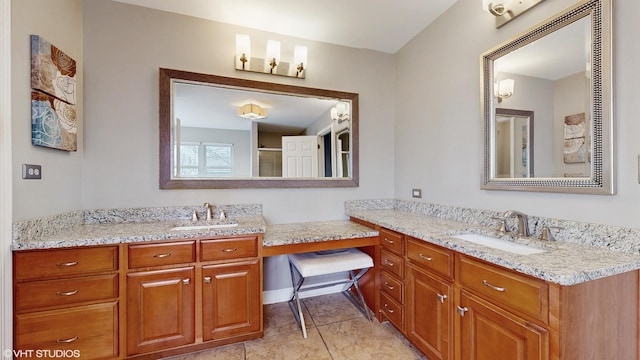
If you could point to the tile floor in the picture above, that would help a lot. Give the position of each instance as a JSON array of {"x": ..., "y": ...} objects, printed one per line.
[{"x": 336, "y": 330}]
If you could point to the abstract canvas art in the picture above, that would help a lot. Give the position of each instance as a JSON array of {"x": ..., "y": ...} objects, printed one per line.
[
  {"x": 53, "y": 97},
  {"x": 575, "y": 139}
]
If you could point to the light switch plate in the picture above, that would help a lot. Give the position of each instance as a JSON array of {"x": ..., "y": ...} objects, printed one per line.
[
  {"x": 416, "y": 193},
  {"x": 30, "y": 171}
]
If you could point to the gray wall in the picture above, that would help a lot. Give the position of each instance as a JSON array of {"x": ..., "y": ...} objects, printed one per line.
[
  {"x": 439, "y": 147},
  {"x": 60, "y": 23},
  {"x": 121, "y": 109}
]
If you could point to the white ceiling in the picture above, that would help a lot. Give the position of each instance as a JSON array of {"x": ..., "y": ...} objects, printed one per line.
[{"x": 382, "y": 25}]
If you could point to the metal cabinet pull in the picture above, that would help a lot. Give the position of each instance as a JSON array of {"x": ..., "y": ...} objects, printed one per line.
[
  {"x": 162, "y": 255},
  {"x": 387, "y": 262},
  {"x": 462, "y": 310},
  {"x": 186, "y": 281},
  {"x": 391, "y": 311},
  {"x": 425, "y": 257},
  {"x": 388, "y": 241},
  {"x": 67, "y": 264},
  {"x": 66, "y": 341},
  {"x": 207, "y": 279},
  {"x": 230, "y": 250},
  {"x": 441, "y": 298},
  {"x": 66, "y": 293},
  {"x": 390, "y": 287},
  {"x": 496, "y": 288}
]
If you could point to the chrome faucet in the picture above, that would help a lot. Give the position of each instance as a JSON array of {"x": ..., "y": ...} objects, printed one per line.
[
  {"x": 523, "y": 223},
  {"x": 207, "y": 210}
]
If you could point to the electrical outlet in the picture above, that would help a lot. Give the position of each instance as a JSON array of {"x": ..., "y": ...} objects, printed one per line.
[
  {"x": 416, "y": 193},
  {"x": 31, "y": 171}
]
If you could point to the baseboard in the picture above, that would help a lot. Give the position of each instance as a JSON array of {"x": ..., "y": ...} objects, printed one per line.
[{"x": 284, "y": 295}]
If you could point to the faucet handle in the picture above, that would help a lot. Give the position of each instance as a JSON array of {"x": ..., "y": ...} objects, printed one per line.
[
  {"x": 194, "y": 216},
  {"x": 546, "y": 233},
  {"x": 503, "y": 225}
]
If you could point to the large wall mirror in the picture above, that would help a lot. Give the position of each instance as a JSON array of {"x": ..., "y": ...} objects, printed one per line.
[
  {"x": 221, "y": 132},
  {"x": 560, "y": 73}
]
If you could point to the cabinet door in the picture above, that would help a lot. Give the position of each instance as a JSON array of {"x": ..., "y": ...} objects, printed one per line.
[
  {"x": 429, "y": 314},
  {"x": 231, "y": 299},
  {"x": 488, "y": 332},
  {"x": 160, "y": 309}
]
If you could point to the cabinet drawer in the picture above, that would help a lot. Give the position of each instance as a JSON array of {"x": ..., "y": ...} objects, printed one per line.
[
  {"x": 391, "y": 286},
  {"x": 504, "y": 287},
  {"x": 91, "y": 332},
  {"x": 391, "y": 241},
  {"x": 430, "y": 257},
  {"x": 392, "y": 263},
  {"x": 65, "y": 262},
  {"x": 233, "y": 248},
  {"x": 68, "y": 291},
  {"x": 392, "y": 310},
  {"x": 161, "y": 254}
]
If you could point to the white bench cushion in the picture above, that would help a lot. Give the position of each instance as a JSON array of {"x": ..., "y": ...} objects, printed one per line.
[{"x": 314, "y": 264}]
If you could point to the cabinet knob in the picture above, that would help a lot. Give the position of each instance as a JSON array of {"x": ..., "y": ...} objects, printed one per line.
[
  {"x": 162, "y": 255},
  {"x": 230, "y": 250},
  {"x": 391, "y": 311},
  {"x": 67, "y": 264},
  {"x": 207, "y": 279},
  {"x": 186, "y": 281},
  {"x": 462, "y": 310},
  {"x": 441, "y": 298},
  {"x": 387, "y": 262},
  {"x": 496, "y": 288},
  {"x": 390, "y": 287},
  {"x": 66, "y": 341},
  {"x": 388, "y": 241}
]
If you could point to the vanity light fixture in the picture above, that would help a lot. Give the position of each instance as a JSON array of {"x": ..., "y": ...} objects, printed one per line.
[
  {"x": 504, "y": 89},
  {"x": 507, "y": 10},
  {"x": 252, "y": 112},
  {"x": 273, "y": 64},
  {"x": 340, "y": 112}
]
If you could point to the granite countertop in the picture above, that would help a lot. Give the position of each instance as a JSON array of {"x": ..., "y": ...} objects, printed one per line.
[
  {"x": 308, "y": 232},
  {"x": 117, "y": 233},
  {"x": 563, "y": 263}
]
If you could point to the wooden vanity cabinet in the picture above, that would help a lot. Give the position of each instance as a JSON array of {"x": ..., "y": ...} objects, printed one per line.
[
  {"x": 67, "y": 300},
  {"x": 392, "y": 271}
]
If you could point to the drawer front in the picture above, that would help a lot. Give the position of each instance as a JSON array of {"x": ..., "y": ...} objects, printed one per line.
[
  {"x": 392, "y": 310},
  {"x": 234, "y": 248},
  {"x": 86, "y": 332},
  {"x": 430, "y": 257},
  {"x": 161, "y": 254},
  {"x": 530, "y": 296},
  {"x": 65, "y": 262},
  {"x": 392, "y": 263},
  {"x": 391, "y": 241},
  {"x": 391, "y": 286},
  {"x": 64, "y": 292}
]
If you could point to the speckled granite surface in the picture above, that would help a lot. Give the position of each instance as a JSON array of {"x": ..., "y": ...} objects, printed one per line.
[
  {"x": 299, "y": 233},
  {"x": 114, "y": 226},
  {"x": 564, "y": 262}
]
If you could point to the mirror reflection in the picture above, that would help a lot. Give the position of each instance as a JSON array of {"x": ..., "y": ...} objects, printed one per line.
[
  {"x": 558, "y": 72},
  {"x": 220, "y": 132}
]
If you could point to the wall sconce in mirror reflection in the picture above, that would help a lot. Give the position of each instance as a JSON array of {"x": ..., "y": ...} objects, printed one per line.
[
  {"x": 507, "y": 10},
  {"x": 504, "y": 89},
  {"x": 340, "y": 112},
  {"x": 252, "y": 112},
  {"x": 272, "y": 63}
]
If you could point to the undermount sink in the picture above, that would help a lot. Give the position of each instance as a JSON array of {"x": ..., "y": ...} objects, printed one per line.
[
  {"x": 203, "y": 226},
  {"x": 499, "y": 244}
]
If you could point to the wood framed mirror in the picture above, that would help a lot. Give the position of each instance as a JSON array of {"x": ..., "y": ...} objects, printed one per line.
[{"x": 221, "y": 132}]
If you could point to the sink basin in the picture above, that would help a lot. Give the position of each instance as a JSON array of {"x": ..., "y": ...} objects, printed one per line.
[
  {"x": 203, "y": 227},
  {"x": 499, "y": 244}
]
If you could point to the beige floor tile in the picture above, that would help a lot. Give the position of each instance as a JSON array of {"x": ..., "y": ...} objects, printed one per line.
[
  {"x": 278, "y": 319},
  {"x": 289, "y": 346},
  {"x": 327, "y": 309},
  {"x": 360, "y": 339},
  {"x": 228, "y": 352}
]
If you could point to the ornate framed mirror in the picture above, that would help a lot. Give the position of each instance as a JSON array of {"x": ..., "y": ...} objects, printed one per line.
[
  {"x": 559, "y": 70},
  {"x": 222, "y": 132}
]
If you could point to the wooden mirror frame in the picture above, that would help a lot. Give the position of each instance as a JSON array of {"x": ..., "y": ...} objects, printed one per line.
[{"x": 165, "y": 105}]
